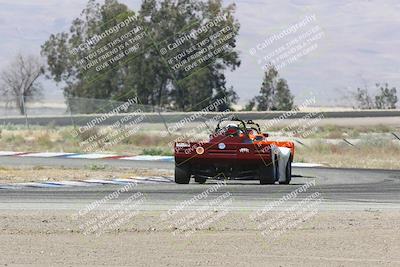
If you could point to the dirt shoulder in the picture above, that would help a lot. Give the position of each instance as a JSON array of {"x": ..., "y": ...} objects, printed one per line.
[
  {"x": 44, "y": 174},
  {"x": 53, "y": 238}
]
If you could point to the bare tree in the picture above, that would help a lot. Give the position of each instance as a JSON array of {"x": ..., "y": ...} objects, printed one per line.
[{"x": 19, "y": 80}]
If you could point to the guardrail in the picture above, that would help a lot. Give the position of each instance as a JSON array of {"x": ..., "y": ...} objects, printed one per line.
[{"x": 171, "y": 117}]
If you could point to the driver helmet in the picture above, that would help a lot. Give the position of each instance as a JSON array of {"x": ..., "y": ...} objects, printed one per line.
[
  {"x": 232, "y": 128},
  {"x": 232, "y": 125}
]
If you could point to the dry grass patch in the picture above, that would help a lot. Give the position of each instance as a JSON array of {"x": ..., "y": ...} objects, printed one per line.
[{"x": 375, "y": 155}]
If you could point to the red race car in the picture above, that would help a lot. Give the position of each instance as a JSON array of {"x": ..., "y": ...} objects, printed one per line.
[{"x": 236, "y": 149}]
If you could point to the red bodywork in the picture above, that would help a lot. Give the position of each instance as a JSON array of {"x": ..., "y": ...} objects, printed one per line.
[{"x": 232, "y": 156}]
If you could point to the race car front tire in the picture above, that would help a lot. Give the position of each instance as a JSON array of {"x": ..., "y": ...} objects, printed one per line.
[
  {"x": 288, "y": 173},
  {"x": 182, "y": 175},
  {"x": 267, "y": 174}
]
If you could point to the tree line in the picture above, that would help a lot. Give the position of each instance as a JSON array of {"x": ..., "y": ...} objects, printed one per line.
[
  {"x": 145, "y": 75},
  {"x": 386, "y": 98}
]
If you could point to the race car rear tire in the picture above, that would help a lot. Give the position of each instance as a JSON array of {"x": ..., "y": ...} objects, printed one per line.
[
  {"x": 288, "y": 173},
  {"x": 182, "y": 175},
  {"x": 200, "y": 180},
  {"x": 267, "y": 174}
]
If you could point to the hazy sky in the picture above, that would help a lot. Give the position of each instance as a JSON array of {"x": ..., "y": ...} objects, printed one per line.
[{"x": 359, "y": 41}]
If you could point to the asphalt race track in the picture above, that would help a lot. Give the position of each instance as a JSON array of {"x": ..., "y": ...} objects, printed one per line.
[{"x": 340, "y": 189}]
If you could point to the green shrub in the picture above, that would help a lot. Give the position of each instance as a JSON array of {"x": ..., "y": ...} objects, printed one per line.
[{"x": 157, "y": 152}]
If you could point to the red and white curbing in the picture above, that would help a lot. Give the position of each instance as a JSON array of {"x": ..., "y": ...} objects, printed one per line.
[
  {"x": 90, "y": 182},
  {"x": 114, "y": 157},
  {"x": 84, "y": 156},
  {"x": 96, "y": 182}
]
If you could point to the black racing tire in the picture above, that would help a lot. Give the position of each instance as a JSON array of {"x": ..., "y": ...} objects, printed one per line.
[
  {"x": 267, "y": 174},
  {"x": 288, "y": 172},
  {"x": 182, "y": 175},
  {"x": 276, "y": 170},
  {"x": 200, "y": 180}
]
